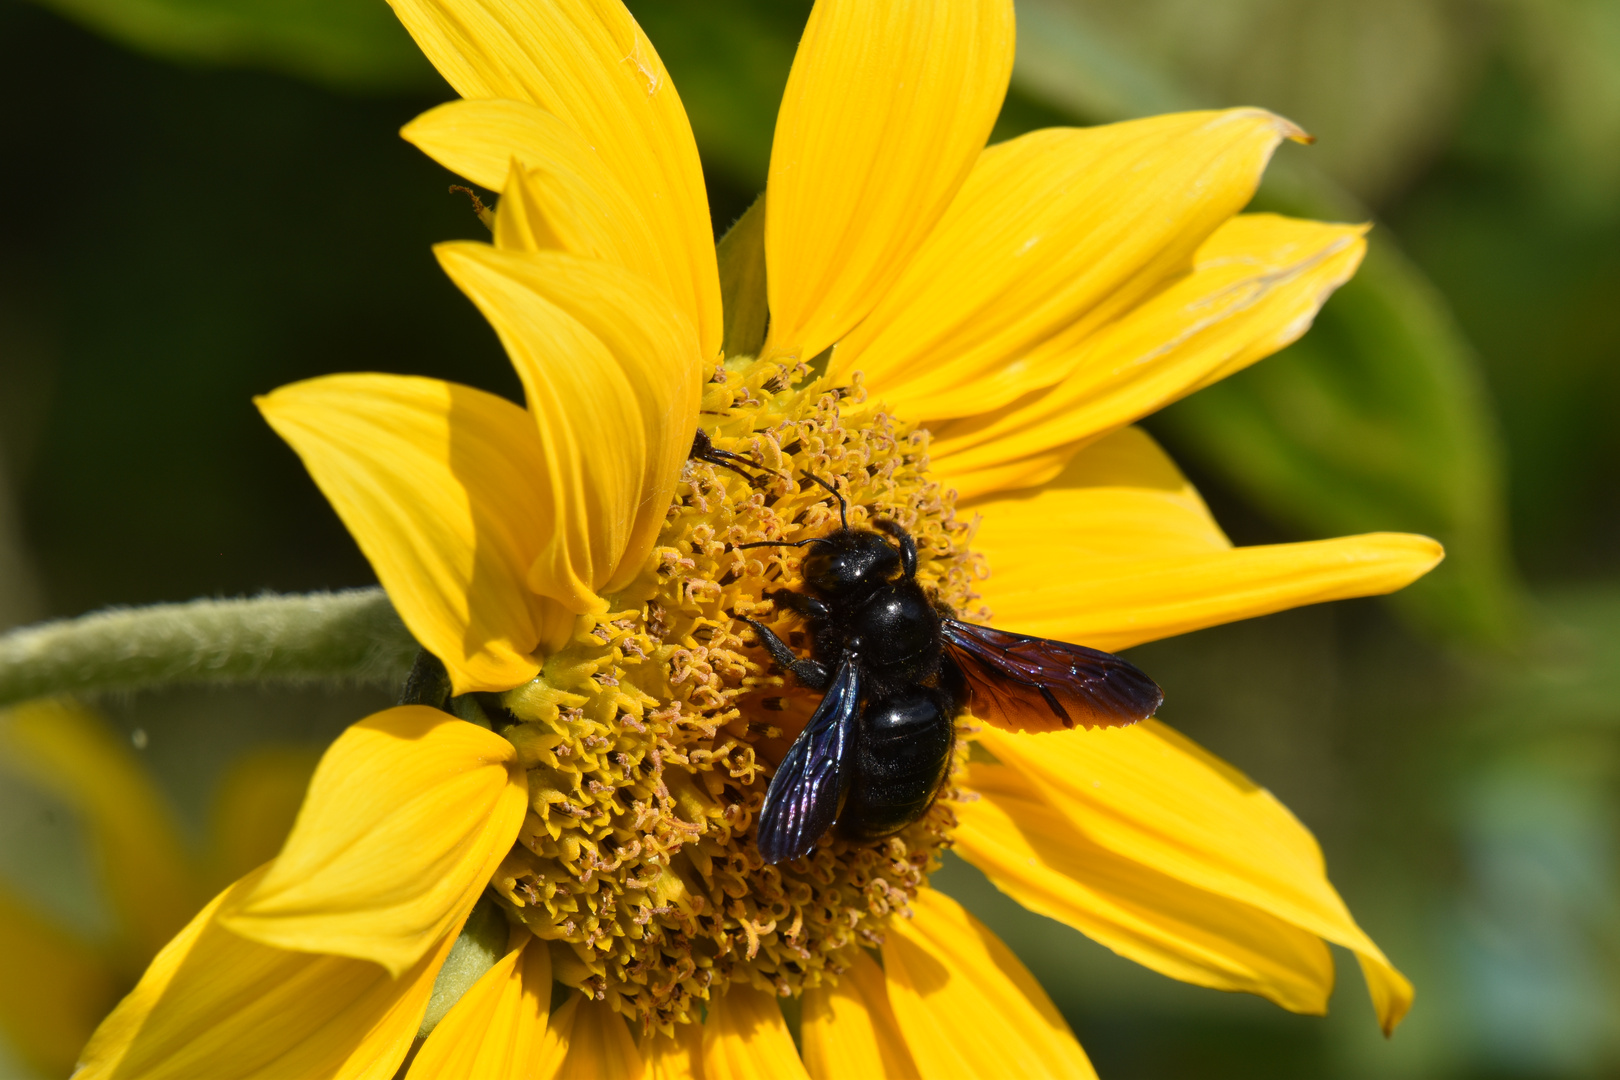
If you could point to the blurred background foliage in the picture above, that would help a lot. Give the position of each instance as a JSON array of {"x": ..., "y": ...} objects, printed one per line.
[{"x": 206, "y": 198}]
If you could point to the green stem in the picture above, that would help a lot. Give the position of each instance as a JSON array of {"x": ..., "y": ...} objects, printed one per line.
[{"x": 349, "y": 637}]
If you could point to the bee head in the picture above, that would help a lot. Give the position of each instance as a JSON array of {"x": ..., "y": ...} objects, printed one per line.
[{"x": 850, "y": 563}]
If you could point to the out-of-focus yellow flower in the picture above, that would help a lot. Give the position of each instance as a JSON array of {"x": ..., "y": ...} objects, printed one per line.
[
  {"x": 55, "y": 982},
  {"x": 959, "y": 337}
]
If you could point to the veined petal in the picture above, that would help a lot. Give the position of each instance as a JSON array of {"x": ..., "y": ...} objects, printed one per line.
[
  {"x": 886, "y": 109},
  {"x": 592, "y": 1042},
  {"x": 498, "y": 1026},
  {"x": 1034, "y": 854},
  {"x": 218, "y": 1005},
  {"x": 674, "y": 1057},
  {"x": 1119, "y": 550},
  {"x": 1255, "y": 286},
  {"x": 53, "y": 989},
  {"x": 556, "y": 192},
  {"x": 408, "y": 814},
  {"x": 1148, "y": 794},
  {"x": 480, "y": 139},
  {"x": 612, "y": 375},
  {"x": 553, "y": 1051},
  {"x": 587, "y": 62},
  {"x": 1055, "y": 234},
  {"x": 133, "y": 830},
  {"x": 745, "y": 1038},
  {"x": 849, "y": 1030},
  {"x": 439, "y": 485},
  {"x": 966, "y": 1005},
  {"x": 257, "y": 804}
]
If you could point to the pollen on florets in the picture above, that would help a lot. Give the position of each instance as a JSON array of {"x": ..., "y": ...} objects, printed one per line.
[{"x": 651, "y": 736}]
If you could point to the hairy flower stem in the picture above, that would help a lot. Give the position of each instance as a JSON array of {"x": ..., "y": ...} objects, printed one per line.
[{"x": 344, "y": 638}]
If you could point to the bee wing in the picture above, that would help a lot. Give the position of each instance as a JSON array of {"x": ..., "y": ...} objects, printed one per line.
[
  {"x": 1032, "y": 684},
  {"x": 803, "y": 799}
]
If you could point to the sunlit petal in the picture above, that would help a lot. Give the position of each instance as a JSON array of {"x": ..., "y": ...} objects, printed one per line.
[
  {"x": 612, "y": 375},
  {"x": 849, "y": 1030},
  {"x": 439, "y": 484},
  {"x": 1148, "y": 794},
  {"x": 587, "y": 62},
  {"x": 1119, "y": 550},
  {"x": 1055, "y": 234},
  {"x": 674, "y": 1057},
  {"x": 217, "y": 1005},
  {"x": 745, "y": 1038},
  {"x": 408, "y": 815},
  {"x": 966, "y": 1005},
  {"x": 887, "y": 107},
  {"x": 498, "y": 1026},
  {"x": 132, "y": 828},
  {"x": 590, "y": 1042},
  {"x": 1256, "y": 285},
  {"x": 556, "y": 192},
  {"x": 1035, "y": 854}
]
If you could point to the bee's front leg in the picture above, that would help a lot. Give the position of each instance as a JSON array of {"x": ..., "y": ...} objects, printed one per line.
[{"x": 809, "y": 672}]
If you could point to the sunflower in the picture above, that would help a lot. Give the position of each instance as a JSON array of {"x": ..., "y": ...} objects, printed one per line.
[{"x": 561, "y": 878}]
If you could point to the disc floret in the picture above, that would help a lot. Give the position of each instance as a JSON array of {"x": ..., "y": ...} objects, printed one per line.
[{"x": 650, "y": 737}]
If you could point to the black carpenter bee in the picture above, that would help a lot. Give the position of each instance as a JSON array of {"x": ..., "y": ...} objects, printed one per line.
[{"x": 896, "y": 670}]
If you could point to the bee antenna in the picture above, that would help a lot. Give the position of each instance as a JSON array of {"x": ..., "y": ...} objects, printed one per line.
[
  {"x": 784, "y": 543},
  {"x": 843, "y": 504}
]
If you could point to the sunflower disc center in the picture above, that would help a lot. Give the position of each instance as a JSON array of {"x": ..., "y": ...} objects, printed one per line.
[{"x": 651, "y": 736}]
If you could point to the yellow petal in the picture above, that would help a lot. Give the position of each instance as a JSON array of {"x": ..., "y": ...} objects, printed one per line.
[
  {"x": 589, "y": 1041},
  {"x": 1256, "y": 285},
  {"x": 1034, "y": 854},
  {"x": 613, "y": 378},
  {"x": 556, "y": 192},
  {"x": 408, "y": 815},
  {"x": 480, "y": 139},
  {"x": 257, "y": 803},
  {"x": 220, "y": 1006},
  {"x": 1148, "y": 794},
  {"x": 132, "y": 828},
  {"x": 1119, "y": 549},
  {"x": 53, "y": 989},
  {"x": 553, "y": 1051},
  {"x": 438, "y": 484},
  {"x": 1055, "y": 234},
  {"x": 498, "y": 1026},
  {"x": 674, "y": 1057},
  {"x": 587, "y": 62},
  {"x": 886, "y": 109},
  {"x": 745, "y": 1038},
  {"x": 849, "y": 1030},
  {"x": 966, "y": 1005}
]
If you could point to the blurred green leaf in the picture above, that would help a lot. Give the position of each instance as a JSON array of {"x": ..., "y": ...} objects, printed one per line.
[
  {"x": 1568, "y": 54},
  {"x": 349, "y": 44}
]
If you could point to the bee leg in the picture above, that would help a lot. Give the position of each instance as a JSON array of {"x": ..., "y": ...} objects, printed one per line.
[
  {"x": 808, "y": 672},
  {"x": 798, "y": 603}
]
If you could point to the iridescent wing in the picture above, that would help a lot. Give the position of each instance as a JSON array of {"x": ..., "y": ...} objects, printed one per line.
[
  {"x": 802, "y": 801},
  {"x": 1033, "y": 684}
]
